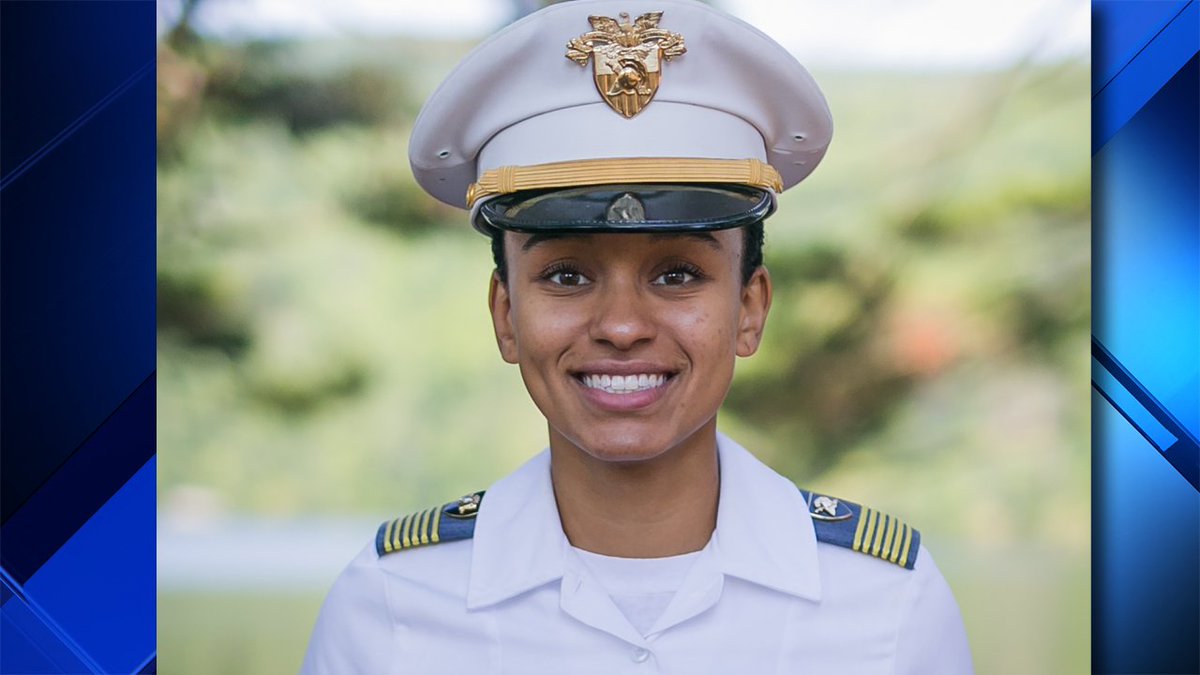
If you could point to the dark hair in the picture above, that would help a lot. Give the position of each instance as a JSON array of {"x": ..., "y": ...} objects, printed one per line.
[{"x": 753, "y": 238}]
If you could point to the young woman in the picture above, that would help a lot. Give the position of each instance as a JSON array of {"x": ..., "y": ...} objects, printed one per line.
[{"x": 625, "y": 200}]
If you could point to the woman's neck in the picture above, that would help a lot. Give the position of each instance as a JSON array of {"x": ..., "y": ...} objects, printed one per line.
[{"x": 653, "y": 508}]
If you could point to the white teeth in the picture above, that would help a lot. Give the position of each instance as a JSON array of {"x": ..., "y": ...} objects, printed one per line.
[{"x": 624, "y": 384}]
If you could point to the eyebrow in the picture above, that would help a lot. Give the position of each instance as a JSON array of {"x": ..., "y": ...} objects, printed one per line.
[
  {"x": 536, "y": 239},
  {"x": 705, "y": 237}
]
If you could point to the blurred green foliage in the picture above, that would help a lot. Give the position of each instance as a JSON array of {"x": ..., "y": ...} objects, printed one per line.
[{"x": 324, "y": 345}]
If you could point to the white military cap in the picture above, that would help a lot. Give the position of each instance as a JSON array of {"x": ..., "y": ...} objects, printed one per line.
[{"x": 621, "y": 115}]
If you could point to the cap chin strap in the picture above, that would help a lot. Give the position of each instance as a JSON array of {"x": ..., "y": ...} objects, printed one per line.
[{"x": 510, "y": 179}]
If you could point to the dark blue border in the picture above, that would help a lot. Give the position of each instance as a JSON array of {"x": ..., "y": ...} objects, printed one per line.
[{"x": 77, "y": 348}]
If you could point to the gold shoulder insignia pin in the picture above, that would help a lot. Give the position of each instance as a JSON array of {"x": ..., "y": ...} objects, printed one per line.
[{"x": 626, "y": 58}]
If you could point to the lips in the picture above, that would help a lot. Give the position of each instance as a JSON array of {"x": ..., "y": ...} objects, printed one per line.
[{"x": 623, "y": 386}]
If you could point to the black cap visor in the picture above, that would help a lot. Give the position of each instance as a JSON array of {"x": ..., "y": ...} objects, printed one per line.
[{"x": 626, "y": 208}]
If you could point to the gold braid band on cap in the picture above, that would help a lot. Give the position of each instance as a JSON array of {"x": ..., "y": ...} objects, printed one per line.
[{"x": 509, "y": 179}]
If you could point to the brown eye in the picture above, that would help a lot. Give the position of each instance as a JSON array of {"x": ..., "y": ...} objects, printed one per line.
[
  {"x": 676, "y": 277},
  {"x": 569, "y": 278}
]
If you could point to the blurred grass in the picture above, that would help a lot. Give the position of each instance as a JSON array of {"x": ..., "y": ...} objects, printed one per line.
[{"x": 261, "y": 633}]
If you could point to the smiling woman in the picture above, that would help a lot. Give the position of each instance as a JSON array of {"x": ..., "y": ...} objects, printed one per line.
[
  {"x": 670, "y": 307},
  {"x": 628, "y": 281},
  {"x": 626, "y": 343}
]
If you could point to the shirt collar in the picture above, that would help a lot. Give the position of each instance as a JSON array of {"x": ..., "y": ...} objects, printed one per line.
[
  {"x": 764, "y": 534},
  {"x": 519, "y": 542}
]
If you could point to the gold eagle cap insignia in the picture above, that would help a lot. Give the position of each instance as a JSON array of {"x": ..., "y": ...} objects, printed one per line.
[{"x": 626, "y": 58}]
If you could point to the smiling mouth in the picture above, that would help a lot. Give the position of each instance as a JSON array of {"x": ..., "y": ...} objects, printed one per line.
[{"x": 624, "y": 384}]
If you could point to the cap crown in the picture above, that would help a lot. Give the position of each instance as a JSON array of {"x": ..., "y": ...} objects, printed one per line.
[{"x": 521, "y": 98}]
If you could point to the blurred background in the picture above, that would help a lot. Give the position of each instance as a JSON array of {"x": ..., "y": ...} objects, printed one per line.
[{"x": 326, "y": 360}]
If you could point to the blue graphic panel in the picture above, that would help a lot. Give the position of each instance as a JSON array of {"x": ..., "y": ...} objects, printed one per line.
[
  {"x": 28, "y": 644},
  {"x": 1146, "y": 204},
  {"x": 1146, "y": 567},
  {"x": 77, "y": 353},
  {"x": 78, "y": 273},
  {"x": 1146, "y": 337},
  {"x": 1120, "y": 30},
  {"x": 93, "y": 474},
  {"x": 1139, "y": 46},
  {"x": 1117, "y": 390},
  {"x": 99, "y": 588}
]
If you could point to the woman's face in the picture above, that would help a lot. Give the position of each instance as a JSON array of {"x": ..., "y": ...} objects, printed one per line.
[{"x": 626, "y": 342}]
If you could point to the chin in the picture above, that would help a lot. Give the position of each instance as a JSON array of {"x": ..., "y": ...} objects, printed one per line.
[
  {"x": 620, "y": 454},
  {"x": 636, "y": 444}
]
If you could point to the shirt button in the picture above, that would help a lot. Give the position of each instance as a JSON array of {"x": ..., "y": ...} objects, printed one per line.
[{"x": 640, "y": 655}]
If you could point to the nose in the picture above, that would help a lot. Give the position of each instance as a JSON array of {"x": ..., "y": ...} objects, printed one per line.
[{"x": 622, "y": 316}]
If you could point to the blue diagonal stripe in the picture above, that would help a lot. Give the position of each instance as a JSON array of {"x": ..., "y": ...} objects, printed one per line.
[
  {"x": 1119, "y": 99},
  {"x": 1151, "y": 419},
  {"x": 1141, "y": 49},
  {"x": 33, "y": 640},
  {"x": 79, "y": 122},
  {"x": 99, "y": 587},
  {"x": 116, "y": 450}
]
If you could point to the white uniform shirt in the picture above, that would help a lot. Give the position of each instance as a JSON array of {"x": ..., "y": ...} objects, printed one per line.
[
  {"x": 642, "y": 588},
  {"x": 763, "y": 597}
]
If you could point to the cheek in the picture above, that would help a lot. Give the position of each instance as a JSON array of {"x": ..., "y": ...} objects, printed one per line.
[
  {"x": 544, "y": 328},
  {"x": 710, "y": 327},
  {"x": 707, "y": 335}
]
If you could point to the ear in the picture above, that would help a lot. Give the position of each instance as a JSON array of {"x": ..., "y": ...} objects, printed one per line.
[
  {"x": 756, "y": 303},
  {"x": 500, "y": 305}
]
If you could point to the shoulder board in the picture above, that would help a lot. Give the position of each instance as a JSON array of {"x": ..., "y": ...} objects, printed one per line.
[
  {"x": 449, "y": 522},
  {"x": 863, "y": 529}
]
